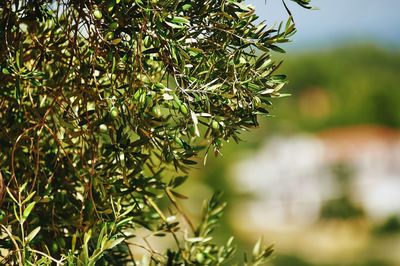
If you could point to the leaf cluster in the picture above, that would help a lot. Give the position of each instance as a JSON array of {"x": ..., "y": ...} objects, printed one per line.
[{"x": 103, "y": 107}]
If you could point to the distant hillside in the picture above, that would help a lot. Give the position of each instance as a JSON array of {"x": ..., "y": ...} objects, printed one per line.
[{"x": 345, "y": 86}]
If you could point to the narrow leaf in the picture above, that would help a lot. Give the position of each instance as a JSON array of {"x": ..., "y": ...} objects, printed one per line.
[
  {"x": 112, "y": 243},
  {"x": 33, "y": 234},
  {"x": 27, "y": 211}
]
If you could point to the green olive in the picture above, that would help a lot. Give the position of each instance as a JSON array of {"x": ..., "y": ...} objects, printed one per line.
[
  {"x": 54, "y": 247},
  {"x": 200, "y": 257},
  {"x": 147, "y": 41},
  {"x": 114, "y": 25},
  {"x": 159, "y": 86},
  {"x": 156, "y": 111},
  {"x": 114, "y": 112},
  {"x": 103, "y": 128},
  {"x": 214, "y": 125},
  {"x": 183, "y": 109},
  {"x": 186, "y": 7},
  {"x": 110, "y": 6},
  {"x": 97, "y": 14}
]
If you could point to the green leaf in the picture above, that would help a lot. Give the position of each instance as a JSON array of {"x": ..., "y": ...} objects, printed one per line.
[
  {"x": 112, "y": 243},
  {"x": 27, "y": 211},
  {"x": 29, "y": 197},
  {"x": 178, "y": 195},
  {"x": 258, "y": 247},
  {"x": 276, "y": 48},
  {"x": 101, "y": 236},
  {"x": 115, "y": 98},
  {"x": 180, "y": 20},
  {"x": 124, "y": 221},
  {"x": 195, "y": 123},
  {"x": 116, "y": 41},
  {"x": 186, "y": 7},
  {"x": 87, "y": 237},
  {"x": 32, "y": 234},
  {"x": 177, "y": 181},
  {"x": 5, "y": 71},
  {"x": 175, "y": 26},
  {"x": 267, "y": 91}
]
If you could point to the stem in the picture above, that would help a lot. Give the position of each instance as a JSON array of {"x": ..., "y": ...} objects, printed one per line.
[
  {"x": 21, "y": 223},
  {"x": 59, "y": 262},
  {"x": 15, "y": 244}
]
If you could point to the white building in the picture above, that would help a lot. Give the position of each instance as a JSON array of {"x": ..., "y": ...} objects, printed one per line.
[{"x": 291, "y": 176}]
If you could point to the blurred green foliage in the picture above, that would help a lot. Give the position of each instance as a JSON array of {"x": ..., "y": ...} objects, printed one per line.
[
  {"x": 293, "y": 260},
  {"x": 354, "y": 84},
  {"x": 344, "y": 86},
  {"x": 341, "y": 208},
  {"x": 388, "y": 227}
]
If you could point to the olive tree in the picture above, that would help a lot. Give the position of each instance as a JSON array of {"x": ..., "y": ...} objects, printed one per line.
[{"x": 105, "y": 105}]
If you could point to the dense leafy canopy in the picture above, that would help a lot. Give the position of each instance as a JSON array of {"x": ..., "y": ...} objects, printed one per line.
[{"x": 104, "y": 105}]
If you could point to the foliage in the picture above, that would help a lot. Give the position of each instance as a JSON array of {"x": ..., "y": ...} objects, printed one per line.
[
  {"x": 103, "y": 107},
  {"x": 352, "y": 84},
  {"x": 390, "y": 226},
  {"x": 367, "y": 72}
]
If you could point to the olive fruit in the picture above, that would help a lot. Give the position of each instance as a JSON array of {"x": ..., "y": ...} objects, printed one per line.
[
  {"x": 114, "y": 25},
  {"x": 103, "y": 128},
  {"x": 183, "y": 109},
  {"x": 147, "y": 42},
  {"x": 54, "y": 247},
  {"x": 114, "y": 112},
  {"x": 159, "y": 86},
  {"x": 200, "y": 257},
  {"x": 97, "y": 14},
  {"x": 214, "y": 125},
  {"x": 156, "y": 111}
]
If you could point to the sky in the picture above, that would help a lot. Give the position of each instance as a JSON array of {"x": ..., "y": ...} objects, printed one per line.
[{"x": 337, "y": 21}]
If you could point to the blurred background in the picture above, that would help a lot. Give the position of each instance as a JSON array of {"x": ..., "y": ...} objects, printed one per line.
[{"x": 320, "y": 178}]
